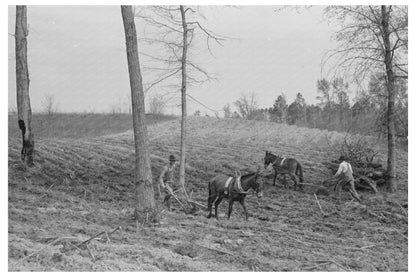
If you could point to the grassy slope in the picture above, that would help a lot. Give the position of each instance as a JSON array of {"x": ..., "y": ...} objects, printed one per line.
[
  {"x": 79, "y": 188},
  {"x": 79, "y": 125}
]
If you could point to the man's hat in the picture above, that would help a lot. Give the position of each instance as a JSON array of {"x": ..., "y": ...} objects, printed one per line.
[
  {"x": 342, "y": 158},
  {"x": 172, "y": 158}
]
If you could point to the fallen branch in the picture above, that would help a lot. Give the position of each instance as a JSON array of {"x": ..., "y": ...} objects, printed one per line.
[
  {"x": 401, "y": 207},
  {"x": 99, "y": 234},
  {"x": 90, "y": 239},
  {"x": 112, "y": 232},
  {"x": 319, "y": 205}
]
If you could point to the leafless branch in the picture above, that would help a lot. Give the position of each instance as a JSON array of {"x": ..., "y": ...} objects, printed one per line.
[
  {"x": 162, "y": 79},
  {"x": 202, "y": 104},
  {"x": 206, "y": 74},
  {"x": 209, "y": 34},
  {"x": 189, "y": 9}
]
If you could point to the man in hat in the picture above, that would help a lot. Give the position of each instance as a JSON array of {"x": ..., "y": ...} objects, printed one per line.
[
  {"x": 166, "y": 180},
  {"x": 345, "y": 178}
]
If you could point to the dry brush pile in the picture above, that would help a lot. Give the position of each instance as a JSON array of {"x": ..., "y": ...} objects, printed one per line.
[{"x": 65, "y": 212}]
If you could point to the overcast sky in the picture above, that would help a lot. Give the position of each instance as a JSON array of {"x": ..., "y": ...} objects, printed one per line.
[{"x": 77, "y": 54}]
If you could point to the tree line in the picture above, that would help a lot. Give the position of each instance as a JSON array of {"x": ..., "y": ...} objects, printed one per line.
[{"x": 334, "y": 111}]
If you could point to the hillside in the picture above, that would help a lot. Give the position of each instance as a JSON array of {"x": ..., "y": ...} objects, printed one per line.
[
  {"x": 81, "y": 186},
  {"x": 60, "y": 125}
]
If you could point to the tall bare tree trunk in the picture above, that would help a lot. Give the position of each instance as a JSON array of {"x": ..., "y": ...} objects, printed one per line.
[
  {"x": 24, "y": 112},
  {"x": 391, "y": 136},
  {"x": 145, "y": 199},
  {"x": 183, "y": 92}
]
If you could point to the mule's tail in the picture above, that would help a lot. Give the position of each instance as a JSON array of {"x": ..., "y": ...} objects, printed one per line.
[{"x": 299, "y": 172}]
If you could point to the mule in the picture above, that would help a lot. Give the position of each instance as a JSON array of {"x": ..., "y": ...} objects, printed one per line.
[
  {"x": 219, "y": 189},
  {"x": 289, "y": 166}
]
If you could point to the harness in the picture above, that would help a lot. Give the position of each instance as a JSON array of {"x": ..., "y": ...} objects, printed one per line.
[
  {"x": 238, "y": 188},
  {"x": 281, "y": 163},
  {"x": 227, "y": 183}
]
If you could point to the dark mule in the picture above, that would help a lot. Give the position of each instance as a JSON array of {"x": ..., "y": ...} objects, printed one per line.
[
  {"x": 284, "y": 166},
  {"x": 218, "y": 191}
]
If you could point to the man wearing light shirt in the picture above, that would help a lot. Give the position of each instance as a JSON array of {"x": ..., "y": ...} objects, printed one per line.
[{"x": 345, "y": 178}]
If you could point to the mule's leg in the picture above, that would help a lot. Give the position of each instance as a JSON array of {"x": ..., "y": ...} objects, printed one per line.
[
  {"x": 244, "y": 208},
  {"x": 211, "y": 199},
  {"x": 275, "y": 175},
  {"x": 230, "y": 208},
  {"x": 284, "y": 181},
  {"x": 217, "y": 202},
  {"x": 292, "y": 176},
  {"x": 299, "y": 184}
]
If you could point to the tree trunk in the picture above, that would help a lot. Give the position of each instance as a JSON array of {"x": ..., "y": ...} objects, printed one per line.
[
  {"x": 388, "y": 61},
  {"x": 145, "y": 199},
  {"x": 183, "y": 92},
  {"x": 24, "y": 111}
]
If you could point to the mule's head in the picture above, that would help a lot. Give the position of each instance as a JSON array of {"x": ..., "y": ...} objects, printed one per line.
[{"x": 268, "y": 159}]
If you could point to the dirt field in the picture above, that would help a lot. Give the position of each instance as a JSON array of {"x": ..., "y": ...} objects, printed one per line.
[{"x": 81, "y": 187}]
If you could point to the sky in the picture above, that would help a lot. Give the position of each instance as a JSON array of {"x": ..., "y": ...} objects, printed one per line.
[{"x": 77, "y": 55}]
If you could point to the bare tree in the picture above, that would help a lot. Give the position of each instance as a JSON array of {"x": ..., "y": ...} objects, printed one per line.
[
  {"x": 246, "y": 105},
  {"x": 227, "y": 111},
  {"x": 176, "y": 28},
  {"x": 49, "y": 105},
  {"x": 374, "y": 39},
  {"x": 164, "y": 31},
  {"x": 24, "y": 111},
  {"x": 183, "y": 95},
  {"x": 157, "y": 104},
  {"x": 145, "y": 201}
]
